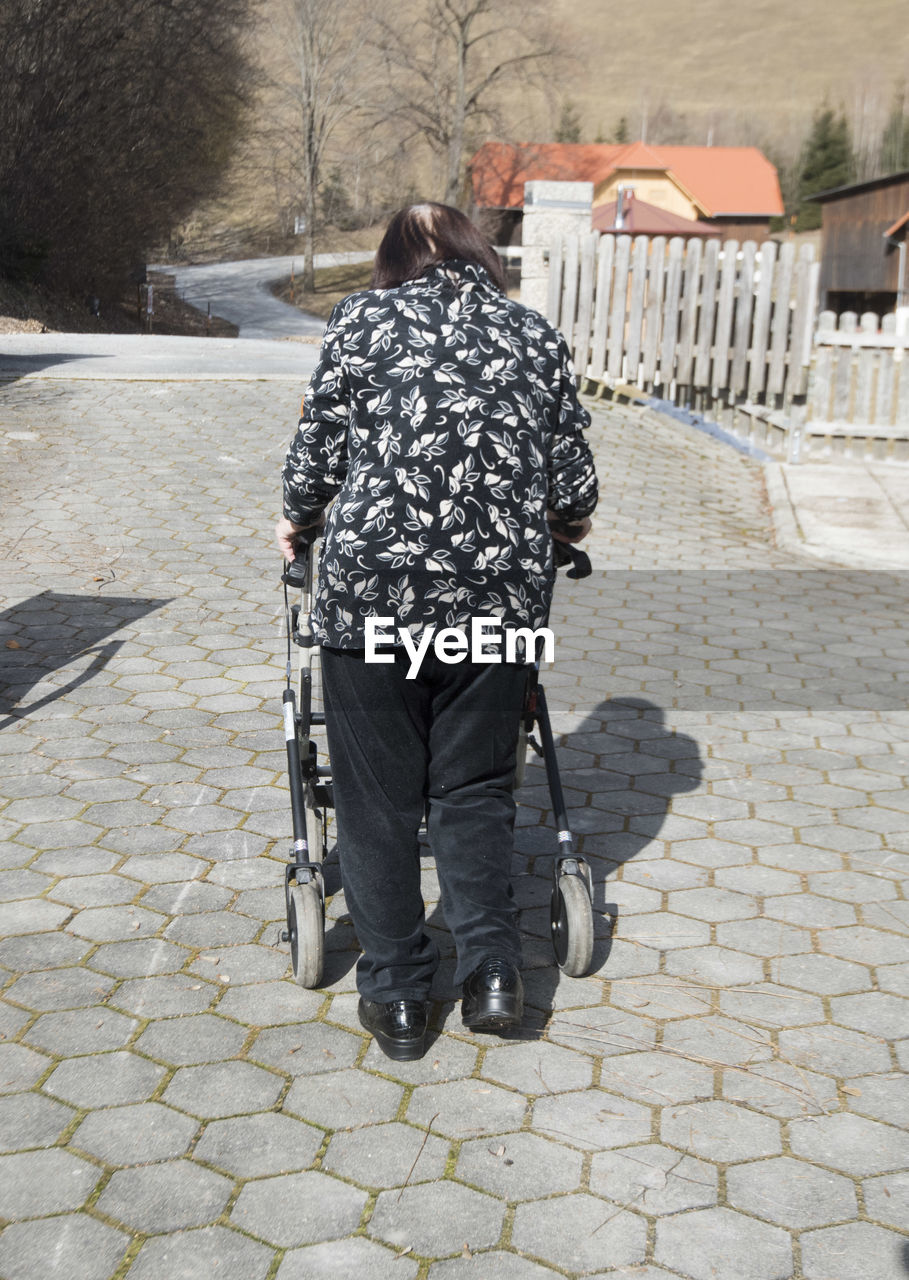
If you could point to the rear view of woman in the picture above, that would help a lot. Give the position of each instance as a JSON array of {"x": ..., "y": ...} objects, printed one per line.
[{"x": 443, "y": 418}]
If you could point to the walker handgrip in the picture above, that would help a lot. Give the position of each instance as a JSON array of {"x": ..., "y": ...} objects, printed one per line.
[{"x": 295, "y": 573}]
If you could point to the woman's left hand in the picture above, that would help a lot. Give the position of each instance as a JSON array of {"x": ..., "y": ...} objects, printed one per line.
[{"x": 285, "y": 532}]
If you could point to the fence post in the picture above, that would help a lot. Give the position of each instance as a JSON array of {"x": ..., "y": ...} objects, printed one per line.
[{"x": 551, "y": 210}]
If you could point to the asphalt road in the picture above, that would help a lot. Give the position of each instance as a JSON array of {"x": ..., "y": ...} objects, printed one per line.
[{"x": 240, "y": 293}]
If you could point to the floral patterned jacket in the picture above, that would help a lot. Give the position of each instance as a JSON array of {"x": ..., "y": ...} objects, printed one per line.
[{"x": 444, "y": 417}]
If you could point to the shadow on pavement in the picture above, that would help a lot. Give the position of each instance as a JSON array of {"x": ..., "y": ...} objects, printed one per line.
[
  {"x": 13, "y": 367},
  {"x": 643, "y": 765},
  {"x": 51, "y": 630}
]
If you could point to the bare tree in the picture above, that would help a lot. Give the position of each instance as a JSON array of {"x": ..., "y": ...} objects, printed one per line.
[
  {"x": 447, "y": 68},
  {"x": 325, "y": 74}
]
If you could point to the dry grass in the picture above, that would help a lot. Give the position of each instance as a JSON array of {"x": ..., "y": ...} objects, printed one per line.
[{"x": 332, "y": 284}]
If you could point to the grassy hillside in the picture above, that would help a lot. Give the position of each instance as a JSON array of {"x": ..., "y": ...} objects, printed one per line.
[{"x": 769, "y": 60}]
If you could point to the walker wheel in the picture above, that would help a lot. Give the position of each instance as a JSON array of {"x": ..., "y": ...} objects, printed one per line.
[
  {"x": 306, "y": 926},
  {"x": 571, "y": 925}
]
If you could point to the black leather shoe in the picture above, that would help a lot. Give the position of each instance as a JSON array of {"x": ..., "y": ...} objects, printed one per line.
[
  {"x": 398, "y": 1026},
  {"x": 493, "y": 996}
]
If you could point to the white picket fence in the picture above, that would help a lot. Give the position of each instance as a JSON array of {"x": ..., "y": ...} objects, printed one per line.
[{"x": 731, "y": 331}]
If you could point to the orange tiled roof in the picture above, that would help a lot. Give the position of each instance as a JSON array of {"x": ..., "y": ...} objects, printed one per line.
[{"x": 720, "y": 180}]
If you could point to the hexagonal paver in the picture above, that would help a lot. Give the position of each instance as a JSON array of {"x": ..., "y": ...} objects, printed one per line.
[
  {"x": 85, "y": 1248},
  {"x": 881, "y": 1097},
  {"x": 437, "y": 1218},
  {"x": 720, "y": 1131},
  {"x": 887, "y": 1199},
  {"x": 580, "y": 1232},
  {"x": 851, "y": 1143},
  {"x": 193, "y": 1039},
  {"x": 255, "y": 1146},
  {"x": 520, "y": 1166},
  {"x": 769, "y": 1004},
  {"x": 537, "y": 1067},
  {"x": 104, "y": 1080},
  {"x": 60, "y": 989},
  {"x": 466, "y": 1108},
  {"x": 876, "y": 1012},
  {"x": 76, "y": 1031},
  {"x": 663, "y": 997},
  {"x": 163, "y": 997},
  {"x": 307, "y": 1048},
  {"x": 31, "y": 1120},
  {"x": 43, "y": 1182},
  {"x": 339, "y": 1258},
  {"x": 708, "y": 1243},
  {"x": 601, "y": 1031},
  {"x": 323, "y": 1209},
  {"x": 592, "y": 1121},
  {"x": 791, "y": 1193},
  {"x": 135, "y": 1134},
  {"x": 780, "y": 1089},
  {"x": 716, "y": 966},
  {"x": 165, "y": 1197},
  {"x": 821, "y": 974},
  {"x": 856, "y": 1251},
  {"x": 834, "y": 1050},
  {"x": 653, "y": 1179},
  {"x": 386, "y": 1155},
  {"x": 204, "y": 1252},
  {"x": 718, "y": 1040},
  {"x": 657, "y": 1077},
  {"x": 140, "y": 958},
  {"x": 763, "y": 937},
  {"x": 222, "y": 1089},
  {"x": 270, "y": 1004},
  {"x": 344, "y": 1099}
]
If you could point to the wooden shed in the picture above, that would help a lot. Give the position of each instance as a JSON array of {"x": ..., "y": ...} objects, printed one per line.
[{"x": 863, "y": 253}]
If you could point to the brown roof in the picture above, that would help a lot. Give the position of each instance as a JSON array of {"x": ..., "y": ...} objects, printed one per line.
[
  {"x": 640, "y": 218},
  {"x": 722, "y": 181}
]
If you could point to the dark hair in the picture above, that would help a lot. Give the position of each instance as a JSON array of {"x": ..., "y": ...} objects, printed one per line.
[{"x": 423, "y": 234}]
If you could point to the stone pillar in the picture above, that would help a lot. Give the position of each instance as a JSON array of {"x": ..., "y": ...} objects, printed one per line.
[{"x": 551, "y": 209}]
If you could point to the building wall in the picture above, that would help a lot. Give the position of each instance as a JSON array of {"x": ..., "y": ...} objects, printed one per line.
[
  {"x": 854, "y": 255},
  {"x": 742, "y": 229},
  {"x": 653, "y": 187}
]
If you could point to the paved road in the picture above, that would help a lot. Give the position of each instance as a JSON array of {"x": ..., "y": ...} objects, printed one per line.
[
  {"x": 151, "y": 357},
  {"x": 240, "y": 293},
  {"x": 723, "y": 1098}
]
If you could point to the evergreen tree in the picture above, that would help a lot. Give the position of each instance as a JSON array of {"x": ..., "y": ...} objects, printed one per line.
[
  {"x": 827, "y": 162},
  {"x": 569, "y": 126},
  {"x": 621, "y": 130}
]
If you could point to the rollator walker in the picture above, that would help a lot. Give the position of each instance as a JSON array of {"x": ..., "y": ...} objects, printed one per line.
[{"x": 311, "y": 798}]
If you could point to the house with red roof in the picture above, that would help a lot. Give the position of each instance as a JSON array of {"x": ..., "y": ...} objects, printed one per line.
[{"x": 731, "y": 192}]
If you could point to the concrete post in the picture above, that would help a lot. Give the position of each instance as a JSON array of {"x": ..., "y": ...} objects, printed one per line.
[{"x": 551, "y": 209}]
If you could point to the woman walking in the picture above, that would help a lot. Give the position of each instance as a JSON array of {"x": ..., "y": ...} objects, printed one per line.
[{"x": 443, "y": 418}]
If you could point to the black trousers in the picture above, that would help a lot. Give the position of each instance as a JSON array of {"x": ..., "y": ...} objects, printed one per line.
[{"x": 444, "y": 740}]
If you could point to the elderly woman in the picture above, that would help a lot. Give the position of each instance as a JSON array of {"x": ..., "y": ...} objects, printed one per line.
[{"x": 443, "y": 418}]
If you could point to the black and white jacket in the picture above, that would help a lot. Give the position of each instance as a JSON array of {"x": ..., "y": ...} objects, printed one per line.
[{"x": 444, "y": 417}]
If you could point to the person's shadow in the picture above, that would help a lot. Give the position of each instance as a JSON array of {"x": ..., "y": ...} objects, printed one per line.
[{"x": 53, "y": 630}]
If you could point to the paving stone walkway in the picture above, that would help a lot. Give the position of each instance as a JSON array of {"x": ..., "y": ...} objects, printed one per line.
[{"x": 724, "y": 1098}]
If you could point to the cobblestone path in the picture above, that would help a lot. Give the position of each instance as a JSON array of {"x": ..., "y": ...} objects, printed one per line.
[{"x": 721, "y": 1100}]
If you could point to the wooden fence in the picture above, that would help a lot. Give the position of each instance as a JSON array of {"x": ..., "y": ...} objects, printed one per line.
[
  {"x": 728, "y": 330},
  {"x": 858, "y": 399}
]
